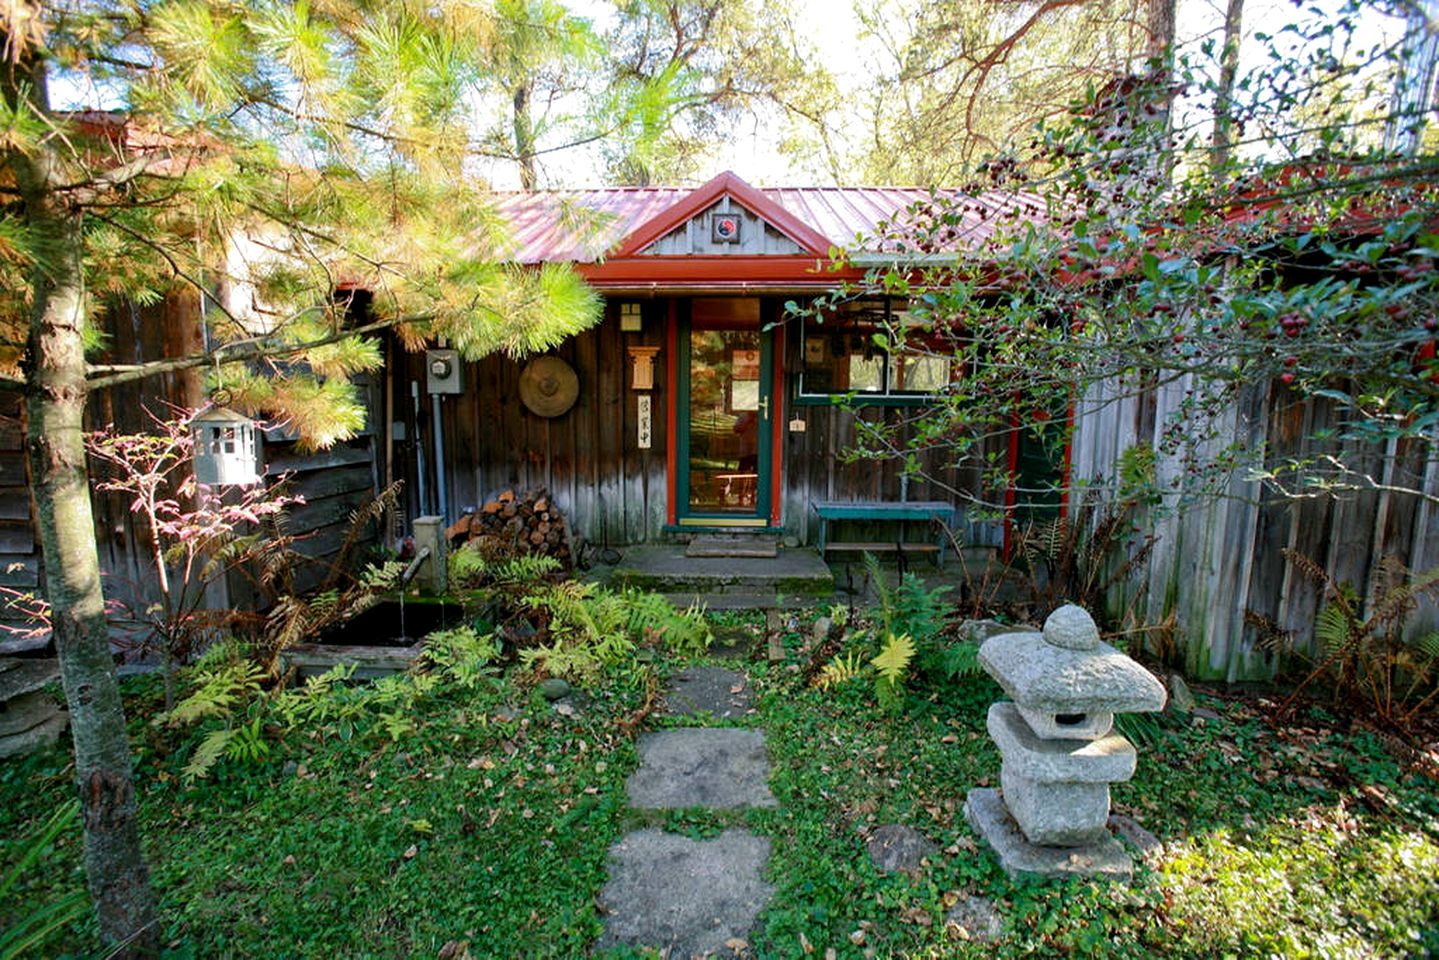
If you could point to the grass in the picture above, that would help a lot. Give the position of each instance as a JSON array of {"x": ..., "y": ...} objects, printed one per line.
[{"x": 1304, "y": 841}]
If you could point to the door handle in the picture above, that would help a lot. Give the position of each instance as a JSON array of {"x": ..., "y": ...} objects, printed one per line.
[{"x": 764, "y": 407}]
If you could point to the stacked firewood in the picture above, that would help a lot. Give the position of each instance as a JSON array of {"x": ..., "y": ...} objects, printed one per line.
[{"x": 515, "y": 525}]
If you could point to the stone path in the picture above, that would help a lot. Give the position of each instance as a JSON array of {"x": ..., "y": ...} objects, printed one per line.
[{"x": 687, "y": 897}]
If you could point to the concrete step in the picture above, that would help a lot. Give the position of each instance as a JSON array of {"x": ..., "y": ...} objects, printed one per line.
[
  {"x": 665, "y": 569},
  {"x": 758, "y": 547}
]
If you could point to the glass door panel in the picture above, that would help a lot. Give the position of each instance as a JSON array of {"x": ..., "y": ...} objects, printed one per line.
[{"x": 727, "y": 403}]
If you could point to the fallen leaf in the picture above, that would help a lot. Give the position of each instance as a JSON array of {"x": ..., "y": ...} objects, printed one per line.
[
  {"x": 949, "y": 738},
  {"x": 289, "y": 860},
  {"x": 737, "y": 944},
  {"x": 857, "y": 938},
  {"x": 917, "y": 916},
  {"x": 805, "y": 945},
  {"x": 410, "y": 853}
]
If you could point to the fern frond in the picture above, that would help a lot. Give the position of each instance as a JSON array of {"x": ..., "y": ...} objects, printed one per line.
[
  {"x": 217, "y": 693},
  {"x": 841, "y": 669},
  {"x": 1332, "y": 631},
  {"x": 206, "y": 755},
  {"x": 893, "y": 659},
  {"x": 961, "y": 661},
  {"x": 1426, "y": 645}
]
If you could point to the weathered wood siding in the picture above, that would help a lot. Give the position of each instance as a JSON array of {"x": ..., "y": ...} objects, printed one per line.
[
  {"x": 588, "y": 458},
  {"x": 19, "y": 553},
  {"x": 136, "y": 334},
  {"x": 1216, "y": 558},
  {"x": 334, "y": 482},
  {"x": 696, "y": 237}
]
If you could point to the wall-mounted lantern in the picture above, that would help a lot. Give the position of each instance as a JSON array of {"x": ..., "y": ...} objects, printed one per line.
[
  {"x": 643, "y": 359},
  {"x": 631, "y": 320},
  {"x": 226, "y": 446}
]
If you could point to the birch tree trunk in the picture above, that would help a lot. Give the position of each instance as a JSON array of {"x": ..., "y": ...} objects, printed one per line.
[{"x": 54, "y": 404}]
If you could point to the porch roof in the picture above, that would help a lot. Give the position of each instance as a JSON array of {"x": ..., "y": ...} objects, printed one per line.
[{"x": 591, "y": 226}]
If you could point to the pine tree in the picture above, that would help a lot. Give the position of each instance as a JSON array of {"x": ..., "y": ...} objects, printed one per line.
[{"x": 326, "y": 140}]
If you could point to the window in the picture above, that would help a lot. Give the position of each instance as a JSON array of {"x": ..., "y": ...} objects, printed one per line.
[{"x": 872, "y": 351}]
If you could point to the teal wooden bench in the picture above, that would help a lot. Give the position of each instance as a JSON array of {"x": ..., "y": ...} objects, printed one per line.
[{"x": 945, "y": 514}]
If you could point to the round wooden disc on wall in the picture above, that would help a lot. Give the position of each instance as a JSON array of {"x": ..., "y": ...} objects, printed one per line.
[{"x": 549, "y": 386}]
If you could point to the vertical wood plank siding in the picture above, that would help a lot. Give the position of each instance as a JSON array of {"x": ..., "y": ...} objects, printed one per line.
[
  {"x": 588, "y": 458},
  {"x": 1214, "y": 559},
  {"x": 614, "y": 492},
  {"x": 334, "y": 482}
]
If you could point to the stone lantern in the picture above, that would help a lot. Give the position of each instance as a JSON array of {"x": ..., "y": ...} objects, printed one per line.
[
  {"x": 1058, "y": 756},
  {"x": 226, "y": 450}
]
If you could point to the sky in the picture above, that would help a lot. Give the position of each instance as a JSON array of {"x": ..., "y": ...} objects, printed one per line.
[{"x": 752, "y": 149}]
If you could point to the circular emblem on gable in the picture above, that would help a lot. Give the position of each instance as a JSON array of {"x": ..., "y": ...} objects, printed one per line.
[
  {"x": 549, "y": 386},
  {"x": 724, "y": 228}
]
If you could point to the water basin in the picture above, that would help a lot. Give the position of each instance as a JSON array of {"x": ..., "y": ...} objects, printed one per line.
[{"x": 374, "y": 641}]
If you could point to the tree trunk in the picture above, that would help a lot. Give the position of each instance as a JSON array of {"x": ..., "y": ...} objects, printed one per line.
[
  {"x": 54, "y": 404},
  {"x": 1224, "y": 96},
  {"x": 1160, "y": 17},
  {"x": 524, "y": 137}
]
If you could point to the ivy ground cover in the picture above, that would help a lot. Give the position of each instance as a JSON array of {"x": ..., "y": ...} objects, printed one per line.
[{"x": 482, "y": 827}]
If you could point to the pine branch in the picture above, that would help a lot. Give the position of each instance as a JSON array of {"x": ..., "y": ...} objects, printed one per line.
[{"x": 117, "y": 374}]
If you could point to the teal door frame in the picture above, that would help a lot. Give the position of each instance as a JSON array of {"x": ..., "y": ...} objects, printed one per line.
[{"x": 685, "y": 515}]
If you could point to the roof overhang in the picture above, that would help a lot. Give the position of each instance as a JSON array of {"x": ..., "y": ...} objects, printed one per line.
[{"x": 758, "y": 274}]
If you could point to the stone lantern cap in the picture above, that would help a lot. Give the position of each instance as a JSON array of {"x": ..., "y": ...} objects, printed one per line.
[{"x": 1046, "y": 678}]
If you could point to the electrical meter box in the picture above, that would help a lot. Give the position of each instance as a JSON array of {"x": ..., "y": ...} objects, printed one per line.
[{"x": 443, "y": 371}]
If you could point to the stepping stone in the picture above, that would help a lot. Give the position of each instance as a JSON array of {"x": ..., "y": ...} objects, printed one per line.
[
  {"x": 719, "y": 768},
  {"x": 747, "y": 547},
  {"x": 895, "y": 848},
  {"x": 978, "y": 917},
  {"x": 684, "y": 897},
  {"x": 713, "y": 690}
]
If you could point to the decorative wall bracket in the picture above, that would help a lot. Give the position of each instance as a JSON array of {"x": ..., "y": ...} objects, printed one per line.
[{"x": 643, "y": 360}]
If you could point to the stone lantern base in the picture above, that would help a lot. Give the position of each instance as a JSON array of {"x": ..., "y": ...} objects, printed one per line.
[{"x": 984, "y": 809}]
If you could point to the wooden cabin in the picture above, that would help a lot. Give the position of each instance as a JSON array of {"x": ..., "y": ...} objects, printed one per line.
[{"x": 700, "y": 403}]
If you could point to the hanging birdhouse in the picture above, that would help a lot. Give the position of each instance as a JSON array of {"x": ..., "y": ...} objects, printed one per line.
[{"x": 226, "y": 447}]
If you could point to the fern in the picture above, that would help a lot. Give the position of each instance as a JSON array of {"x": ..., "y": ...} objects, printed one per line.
[
  {"x": 218, "y": 693},
  {"x": 685, "y": 633},
  {"x": 841, "y": 669},
  {"x": 892, "y": 666},
  {"x": 462, "y": 653},
  {"x": 894, "y": 657},
  {"x": 960, "y": 661},
  {"x": 206, "y": 755}
]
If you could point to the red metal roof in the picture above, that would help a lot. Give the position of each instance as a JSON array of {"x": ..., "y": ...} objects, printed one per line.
[{"x": 584, "y": 225}]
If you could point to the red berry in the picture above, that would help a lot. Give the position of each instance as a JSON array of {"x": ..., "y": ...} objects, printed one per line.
[{"x": 1286, "y": 378}]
